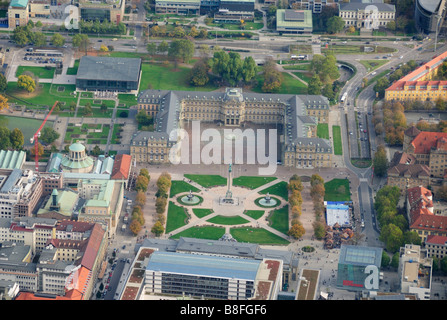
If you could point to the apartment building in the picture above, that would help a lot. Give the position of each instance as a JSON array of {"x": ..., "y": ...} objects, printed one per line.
[
  {"x": 436, "y": 246},
  {"x": 405, "y": 173},
  {"x": 295, "y": 117}
]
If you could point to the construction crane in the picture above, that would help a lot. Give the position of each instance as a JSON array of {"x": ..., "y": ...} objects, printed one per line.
[{"x": 35, "y": 138}]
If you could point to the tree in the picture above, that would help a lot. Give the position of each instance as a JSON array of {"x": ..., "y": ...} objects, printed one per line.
[
  {"x": 3, "y": 83},
  {"x": 198, "y": 75},
  {"x": 381, "y": 85},
  {"x": 57, "y": 40},
  {"x": 20, "y": 36},
  {"x": 160, "y": 204},
  {"x": 26, "y": 82},
  {"x": 163, "y": 47},
  {"x": 135, "y": 227},
  {"x": 157, "y": 229},
  {"x": 392, "y": 237},
  {"x": 81, "y": 41},
  {"x": 17, "y": 139},
  {"x": 380, "y": 162},
  {"x": 297, "y": 231},
  {"x": 181, "y": 50},
  {"x": 193, "y": 32},
  {"x": 88, "y": 110},
  {"x": 103, "y": 107},
  {"x": 49, "y": 135},
  {"x": 38, "y": 38},
  {"x": 272, "y": 77},
  {"x": 314, "y": 86},
  {"x": 103, "y": 48},
  {"x": 5, "y": 141},
  {"x": 249, "y": 69},
  {"x": 385, "y": 260},
  {"x": 145, "y": 172},
  {"x": 335, "y": 24},
  {"x": 140, "y": 199},
  {"x": 143, "y": 119},
  {"x": 141, "y": 183},
  {"x": 40, "y": 149},
  {"x": 151, "y": 48},
  {"x": 3, "y": 102}
]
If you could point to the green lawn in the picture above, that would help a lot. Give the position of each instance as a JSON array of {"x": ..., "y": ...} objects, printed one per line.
[
  {"x": 251, "y": 182},
  {"x": 255, "y": 214},
  {"x": 176, "y": 217},
  {"x": 305, "y": 76},
  {"x": 207, "y": 180},
  {"x": 74, "y": 69},
  {"x": 205, "y": 232},
  {"x": 279, "y": 219},
  {"x": 179, "y": 186},
  {"x": 337, "y": 190},
  {"x": 26, "y": 125},
  {"x": 289, "y": 85},
  {"x": 257, "y": 235},
  {"x": 279, "y": 189},
  {"x": 200, "y": 213},
  {"x": 46, "y": 94},
  {"x": 228, "y": 220},
  {"x": 336, "y": 136},
  {"x": 40, "y": 72},
  {"x": 127, "y": 100},
  {"x": 323, "y": 131},
  {"x": 155, "y": 76},
  {"x": 371, "y": 65}
]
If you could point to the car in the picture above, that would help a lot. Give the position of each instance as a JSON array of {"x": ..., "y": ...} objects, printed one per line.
[
  {"x": 401, "y": 57},
  {"x": 350, "y": 133},
  {"x": 363, "y": 223},
  {"x": 364, "y": 131}
]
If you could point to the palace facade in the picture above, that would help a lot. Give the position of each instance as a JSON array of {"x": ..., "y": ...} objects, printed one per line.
[{"x": 295, "y": 117}]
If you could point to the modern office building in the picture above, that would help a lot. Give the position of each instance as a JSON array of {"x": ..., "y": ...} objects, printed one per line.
[
  {"x": 352, "y": 271},
  {"x": 367, "y": 15},
  {"x": 294, "y": 21},
  {"x": 111, "y": 10},
  {"x": 181, "y": 7},
  {"x": 233, "y": 11},
  {"x": 295, "y": 117},
  {"x": 429, "y": 15},
  {"x": 212, "y": 277},
  {"x": 108, "y": 74}
]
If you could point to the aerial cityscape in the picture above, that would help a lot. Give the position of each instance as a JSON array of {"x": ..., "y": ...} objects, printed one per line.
[{"x": 250, "y": 150}]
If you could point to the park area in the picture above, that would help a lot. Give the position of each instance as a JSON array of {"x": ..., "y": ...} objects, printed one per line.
[{"x": 245, "y": 223}]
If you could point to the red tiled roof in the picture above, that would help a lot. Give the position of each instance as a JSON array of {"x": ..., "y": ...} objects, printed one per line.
[
  {"x": 413, "y": 170},
  {"x": 121, "y": 166},
  {"x": 435, "y": 239},
  {"x": 425, "y": 141},
  {"x": 429, "y": 65},
  {"x": 401, "y": 84},
  {"x": 33, "y": 296}
]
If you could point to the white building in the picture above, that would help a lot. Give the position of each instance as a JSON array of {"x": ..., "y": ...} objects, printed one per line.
[{"x": 367, "y": 15}]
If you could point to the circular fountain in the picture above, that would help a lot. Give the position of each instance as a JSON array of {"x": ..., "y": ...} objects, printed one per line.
[
  {"x": 190, "y": 199},
  {"x": 267, "y": 201}
]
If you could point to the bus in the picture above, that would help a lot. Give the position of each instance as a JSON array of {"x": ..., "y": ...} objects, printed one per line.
[
  {"x": 343, "y": 98},
  {"x": 300, "y": 57}
]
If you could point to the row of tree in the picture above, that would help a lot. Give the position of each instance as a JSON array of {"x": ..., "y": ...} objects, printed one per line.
[
  {"x": 317, "y": 192},
  {"x": 163, "y": 185},
  {"x": 391, "y": 121},
  {"x": 295, "y": 201},
  {"x": 140, "y": 200}
]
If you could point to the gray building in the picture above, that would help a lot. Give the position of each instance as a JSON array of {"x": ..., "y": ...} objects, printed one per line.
[
  {"x": 108, "y": 74},
  {"x": 428, "y": 14}
]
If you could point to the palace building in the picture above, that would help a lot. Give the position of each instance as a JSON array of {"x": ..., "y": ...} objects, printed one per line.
[{"x": 295, "y": 117}]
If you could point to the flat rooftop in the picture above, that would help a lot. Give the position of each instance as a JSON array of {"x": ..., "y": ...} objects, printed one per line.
[{"x": 109, "y": 69}]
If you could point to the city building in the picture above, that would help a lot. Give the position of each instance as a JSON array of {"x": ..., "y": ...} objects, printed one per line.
[
  {"x": 315, "y": 6},
  {"x": 429, "y": 15},
  {"x": 68, "y": 263},
  {"x": 436, "y": 246},
  {"x": 108, "y": 74},
  {"x": 103, "y": 202},
  {"x": 12, "y": 159},
  {"x": 110, "y": 10},
  {"x": 76, "y": 160},
  {"x": 415, "y": 271},
  {"x": 294, "y": 21},
  {"x": 405, "y": 173},
  {"x": 420, "y": 84},
  {"x": 18, "y": 13},
  {"x": 233, "y": 11},
  {"x": 212, "y": 277},
  {"x": 430, "y": 149},
  {"x": 352, "y": 274},
  {"x": 423, "y": 218},
  {"x": 367, "y": 15},
  {"x": 39, "y": 9},
  {"x": 181, "y": 7},
  {"x": 296, "y": 117},
  {"x": 338, "y": 213},
  {"x": 60, "y": 204},
  {"x": 122, "y": 168}
]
